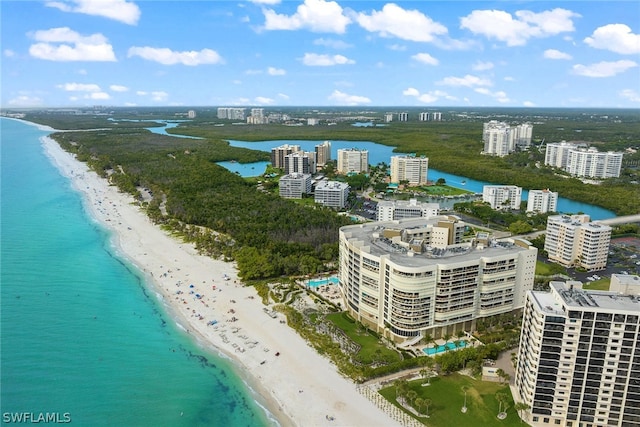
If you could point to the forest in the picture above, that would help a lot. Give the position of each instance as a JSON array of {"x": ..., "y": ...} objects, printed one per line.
[{"x": 228, "y": 217}]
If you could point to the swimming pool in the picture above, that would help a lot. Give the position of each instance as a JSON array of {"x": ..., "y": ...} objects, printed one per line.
[
  {"x": 442, "y": 348},
  {"x": 314, "y": 283}
]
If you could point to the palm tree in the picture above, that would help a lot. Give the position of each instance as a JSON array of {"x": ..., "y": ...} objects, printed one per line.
[
  {"x": 411, "y": 395},
  {"x": 501, "y": 398},
  {"x": 464, "y": 406},
  {"x": 428, "y": 364},
  {"x": 419, "y": 403},
  {"x": 521, "y": 406},
  {"x": 427, "y": 403}
]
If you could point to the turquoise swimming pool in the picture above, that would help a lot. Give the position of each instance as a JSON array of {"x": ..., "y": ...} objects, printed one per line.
[
  {"x": 314, "y": 283},
  {"x": 442, "y": 348}
]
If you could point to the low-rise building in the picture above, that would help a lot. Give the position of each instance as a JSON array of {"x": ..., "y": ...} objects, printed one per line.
[
  {"x": 294, "y": 185},
  {"x": 542, "y": 201},
  {"x": 502, "y": 196},
  {"x": 389, "y": 210},
  {"x": 332, "y": 194}
]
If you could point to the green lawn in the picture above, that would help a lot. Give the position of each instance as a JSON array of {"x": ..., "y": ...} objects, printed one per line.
[
  {"x": 549, "y": 268},
  {"x": 444, "y": 190},
  {"x": 447, "y": 399},
  {"x": 597, "y": 285}
]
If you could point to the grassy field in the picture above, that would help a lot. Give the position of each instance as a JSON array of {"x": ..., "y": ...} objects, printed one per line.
[
  {"x": 549, "y": 269},
  {"x": 444, "y": 190},
  {"x": 597, "y": 285},
  {"x": 447, "y": 397}
]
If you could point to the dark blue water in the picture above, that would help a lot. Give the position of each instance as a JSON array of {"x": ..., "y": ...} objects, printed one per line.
[{"x": 81, "y": 333}]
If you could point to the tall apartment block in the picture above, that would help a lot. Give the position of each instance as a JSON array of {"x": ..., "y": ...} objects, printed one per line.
[
  {"x": 403, "y": 117},
  {"x": 557, "y": 154},
  {"x": 332, "y": 194},
  {"x": 294, "y": 185},
  {"x": 593, "y": 164},
  {"x": 409, "y": 168},
  {"x": 353, "y": 160},
  {"x": 542, "y": 201},
  {"x": 278, "y": 154},
  {"x": 502, "y": 196},
  {"x": 409, "y": 278},
  {"x": 299, "y": 162},
  {"x": 231, "y": 113},
  {"x": 501, "y": 139},
  {"x": 426, "y": 116},
  {"x": 578, "y": 362},
  {"x": 574, "y": 241},
  {"x": 389, "y": 210},
  {"x": 323, "y": 153}
]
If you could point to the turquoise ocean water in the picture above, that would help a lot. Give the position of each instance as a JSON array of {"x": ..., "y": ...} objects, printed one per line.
[{"x": 80, "y": 332}]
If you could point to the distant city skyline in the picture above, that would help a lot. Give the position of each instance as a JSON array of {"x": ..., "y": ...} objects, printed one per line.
[{"x": 272, "y": 53}]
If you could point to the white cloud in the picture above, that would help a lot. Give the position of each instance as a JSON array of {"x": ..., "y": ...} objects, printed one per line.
[
  {"x": 499, "y": 96},
  {"x": 604, "y": 68},
  {"x": 427, "y": 97},
  {"x": 394, "y": 21},
  {"x": 265, "y": 1},
  {"x": 617, "y": 38},
  {"x": 261, "y": 100},
  {"x": 119, "y": 10},
  {"x": 411, "y": 91},
  {"x": 528, "y": 104},
  {"x": 26, "y": 101},
  {"x": 317, "y": 60},
  {"x": 314, "y": 15},
  {"x": 283, "y": 96},
  {"x": 80, "y": 87},
  {"x": 467, "y": 81},
  {"x": 425, "y": 58},
  {"x": 9, "y": 53},
  {"x": 630, "y": 94},
  {"x": 272, "y": 71},
  {"x": 556, "y": 54},
  {"x": 159, "y": 95},
  {"x": 482, "y": 66},
  {"x": 515, "y": 31},
  {"x": 334, "y": 44},
  {"x": 398, "y": 47},
  {"x": 346, "y": 99},
  {"x": 253, "y": 72},
  {"x": 167, "y": 56},
  {"x": 141, "y": 93},
  {"x": 119, "y": 88},
  {"x": 101, "y": 96},
  {"x": 64, "y": 44}
]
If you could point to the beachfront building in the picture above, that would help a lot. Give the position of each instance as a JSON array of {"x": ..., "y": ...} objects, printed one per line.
[
  {"x": 409, "y": 168},
  {"x": 300, "y": 161},
  {"x": 294, "y": 185},
  {"x": 574, "y": 241},
  {"x": 332, "y": 194},
  {"x": 323, "y": 153},
  {"x": 502, "y": 196},
  {"x": 542, "y": 201},
  {"x": 579, "y": 357},
  {"x": 278, "y": 154},
  {"x": 389, "y": 210},
  {"x": 416, "y": 277},
  {"x": 352, "y": 160},
  {"x": 590, "y": 163}
]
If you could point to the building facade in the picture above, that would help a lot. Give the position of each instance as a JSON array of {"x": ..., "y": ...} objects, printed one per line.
[
  {"x": 502, "y": 196},
  {"x": 415, "y": 277},
  {"x": 591, "y": 163},
  {"x": 578, "y": 363},
  {"x": 231, "y": 113},
  {"x": 300, "y": 162},
  {"x": 353, "y": 160},
  {"x": 542, "y": 201},
  {"x": 332, "y": 194},
  {"x": 294, "y": 185},
  {"x": 574, "y": 241},
  {"x": 389, "y": 210},
  {"x": 501, "y": 139},
  {"x": 323, "y": 153},
  {"x": 557, "y": 154},
  {"x": 279, "y": 154},
  {"x": 409, "y": 168}
]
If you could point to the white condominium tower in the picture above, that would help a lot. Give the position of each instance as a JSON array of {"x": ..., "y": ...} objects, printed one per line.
[
  {"x": 557, "y": 153},
  {"x": 415, "y": 277},
  {"x": 389, "y": 210},
  {"x": 542, "y": 201},
  {"x": 353, "y": 160},
  {"x": 501, "y": 139},
  {"x": 278, "y": 154},
  {"x": 593, "y": 164},
  {"x": 574, "y": 241},
  {"x": 502, "y": 196},
  {"x": 578, "y": 363},
  {"x": 409, "y": 168},
  {"x": 332, "y": 194}
]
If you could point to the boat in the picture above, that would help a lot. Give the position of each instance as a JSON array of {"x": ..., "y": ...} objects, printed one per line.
[{"x": 464, "y": 182}]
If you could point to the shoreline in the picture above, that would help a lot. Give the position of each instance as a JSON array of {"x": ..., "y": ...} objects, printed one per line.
[{"x": 296, "y": 385}]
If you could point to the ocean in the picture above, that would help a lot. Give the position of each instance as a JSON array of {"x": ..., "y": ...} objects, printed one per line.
[{"x": 83, "y": 339}]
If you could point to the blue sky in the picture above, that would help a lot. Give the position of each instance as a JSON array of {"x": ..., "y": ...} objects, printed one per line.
[{"x": 571, "y": 54}]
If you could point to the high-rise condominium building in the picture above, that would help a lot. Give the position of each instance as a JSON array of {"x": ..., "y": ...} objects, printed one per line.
[
  {"x": 332, "y": 194},
  {"x": 522, "y": 135},
  {"x": 294, "y": 185},
  {"x": 502, "y": 196},
  {"x": 409, "y": 278},
  {"x": 578, "y": 363},
  {"x": 409, "y": 168},
  {"x": 278, "y": 154},
  {"x": 299, "y": 162},
  {"x": 574, "y": 241},
  {"x": 403, "y": 117},
  {"x": 542, "y": 201},
  {"x": 353, "y": 160},
  {"x": 426, "y": 116},
  {"x": 389, "y": 210},
  {"x": 557, "y": 154},
  {"x": 593, "y": 164},
  {"x": 231, "y": 113},
  {"x": 323, "y": 153},
  {"x": 501, "y": 139}
]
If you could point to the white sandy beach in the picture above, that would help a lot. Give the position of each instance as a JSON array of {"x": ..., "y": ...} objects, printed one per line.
[{"x": 299, "y": 387}]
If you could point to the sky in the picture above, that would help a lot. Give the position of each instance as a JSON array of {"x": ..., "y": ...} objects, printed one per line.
[{"x": 270, "y": 53}]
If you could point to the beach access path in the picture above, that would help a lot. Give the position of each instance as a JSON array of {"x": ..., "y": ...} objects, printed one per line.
[{"x": 206, "y": 299}]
